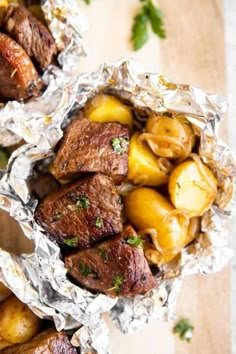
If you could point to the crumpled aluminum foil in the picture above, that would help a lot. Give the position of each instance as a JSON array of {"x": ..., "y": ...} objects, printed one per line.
[
  {"x": 39, "y": 279},
  {"x": 67, "y": 25}
]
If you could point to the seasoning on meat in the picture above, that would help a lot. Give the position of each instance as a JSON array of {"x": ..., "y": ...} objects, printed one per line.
[
  {"x": 48, "y": 342},
  {"x": 82, "y": 213},
  {"x": 29, "y": 33},
  {"x": 93, "y": 147},
  {"x": 114, "y": 267},
  {"x": 18, "y": 76}
]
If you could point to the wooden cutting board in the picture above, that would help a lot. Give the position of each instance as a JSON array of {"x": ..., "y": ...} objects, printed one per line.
[{"x": 192, "y": 53}]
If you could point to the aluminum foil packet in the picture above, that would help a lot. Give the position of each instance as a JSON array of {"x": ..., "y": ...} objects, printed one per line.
[
  {"x": 67, "y": 25},
  {"x": 39, "y": 279}
]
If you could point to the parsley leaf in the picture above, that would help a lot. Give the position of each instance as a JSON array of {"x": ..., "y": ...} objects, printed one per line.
[
  {"x": 148, "y": 13},
  {"x": 103, "y": 254},
  {"x": 156, "y": 19},
  {"x": 136, "y": 240},
  {"x": 120, "y": 145},
  {"x": 82, "y": 202},
  {"x": 88, "y": 2},
  {"x": 99, "y": 222},
  {"x": 72, "y": 242},
  {"x": 117, "y": 282},
  {"x": 85, "y": 270},
  {"x": 185, "y": 329},
  {"x": 139, "y": 29}
]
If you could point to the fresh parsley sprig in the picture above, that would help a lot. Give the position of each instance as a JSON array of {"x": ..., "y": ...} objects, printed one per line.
[
  {"x": 88, "y": 2},
  {"x": 149, "y": 13},
  {"x": 136, "y": 240},
  {"x": 184, "y": 328}
]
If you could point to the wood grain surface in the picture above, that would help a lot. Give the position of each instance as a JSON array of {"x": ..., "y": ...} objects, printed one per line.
[{"x": 192, "y": 53}]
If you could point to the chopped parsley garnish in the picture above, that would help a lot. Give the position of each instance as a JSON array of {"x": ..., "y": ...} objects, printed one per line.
[
  {"x": 99, "y": 222},
  {"x": 136, "y": 240},
  {"x": 72, "y": 242},
  {"x": 117, "y": 282},
  {"x": 103, "y": 254},
  {"x": 184, "y": 328},
  {"x": 88, "y": 2},
  {"x": 148, "y": 13},
  {"x": 85, "y": 270},
  {"x": 82, "y": 202},
  {"x": 120, "y": 145}
]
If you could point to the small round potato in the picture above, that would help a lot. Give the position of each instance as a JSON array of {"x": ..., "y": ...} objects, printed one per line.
[
  {"x": 152, "y": 214},
  {"x": 18, "y": 323},
  {"x": 4, "y": 292},
  {"x": 192, "y": 187},
  {"x": 105, "y": 108},
  {"x": 170, "y": 137},
  {"x": 145, "y": 167},
  {"x": 4, "y": 343}
]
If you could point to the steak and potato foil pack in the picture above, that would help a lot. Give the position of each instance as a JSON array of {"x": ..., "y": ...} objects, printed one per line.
[
  {"x": 39, "y": 279},
  {"x": 67, "y": 25}
]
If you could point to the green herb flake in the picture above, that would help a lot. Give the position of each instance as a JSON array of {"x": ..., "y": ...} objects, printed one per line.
[
  {"x": 103, "y": 254},
  {"x": 85, "y": 270},
  {"x": 148, "y": 13},
  {"x": 136, "y": 240},
  {"x": 72, "y": 242},
  {"x": 117, "y": 282},
  {"x": 3, "y": 159},
  {"x": 120, "y": 145},
  {"x": 88, "y": 2},
  {"x": 99, "y": 222},
  {"x": 184, "y": 328},
  {"x": 82, "y": 202}
]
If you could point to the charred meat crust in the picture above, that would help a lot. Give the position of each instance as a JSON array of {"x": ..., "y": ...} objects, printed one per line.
[
  {"x": 48, "y": 342},
  {"x": 113, "y": 267},
  {"x": 82, "y": 213},
  {"x": 19, "y": 78},
  {"x": 87, "y": 147},
  {"x": 29, "y": 33}
]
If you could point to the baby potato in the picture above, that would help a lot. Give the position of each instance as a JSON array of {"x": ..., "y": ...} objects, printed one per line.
[
  {"x": 152, "y": 214},
  {"x": 144, "y": 166},
  {"x": 105, "y": 108},
  {"x": 18, "y": 323},
  {"x": 4, "y": 343},
  {"x": 169, "y": 137},
  {"x": 192, "y": 187},
  {"x": 4, "y": 292}
]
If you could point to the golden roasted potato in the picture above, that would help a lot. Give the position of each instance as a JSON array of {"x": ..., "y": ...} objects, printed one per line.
[
  {"x": 160, "y": 258},
  {"x": 18, "y": 323},
  {"x": 105, "y": 108},
  {"x": 145, "y": 167},
  {"x": 192, "y": 187},
  {"x": 4, "y": 3},
  {"x": 169, "y": 137},
  {"x": 152, "y": 214},
  {"x": 4, "y": 343},
  {"x": 4, "y": 292}
]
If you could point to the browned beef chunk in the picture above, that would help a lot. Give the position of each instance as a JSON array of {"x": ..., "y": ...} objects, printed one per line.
[
  {"x": 114, "y": 267},
  {"x": 93, "y": 147},
  {"x": 82, "y": 213},
  {"x": 47, "y": 342},
  {"x": 29, "y": 32},
  {"x": 18, "y": 76}
]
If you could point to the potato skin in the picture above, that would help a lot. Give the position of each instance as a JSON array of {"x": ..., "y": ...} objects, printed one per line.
[
  {"x": 4, "y": 292},
  {"x": 148, "y": 209},
  {"x": 145, "y": 167},
  {"x": 193, "y": 187},
  {"x": 170, "y": 137},
  {"x": 105, "y": 108},
  {"x": 18, "y": 323}
]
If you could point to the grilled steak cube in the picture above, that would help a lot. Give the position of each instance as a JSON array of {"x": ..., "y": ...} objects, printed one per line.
[
  {"x": 47, "y": 342},
  {"x": 93, "y": 147},
  {"x": 18, "y": 76},
  {"x": 28, "y": 32},
  {"x": 114, "y": 267},
  {"x": 82, "y": 213}
]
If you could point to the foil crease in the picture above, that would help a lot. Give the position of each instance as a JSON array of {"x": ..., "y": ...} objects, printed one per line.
[
  {"x": 67, "y": 25},
  {"x": 39, "y": 279}
]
